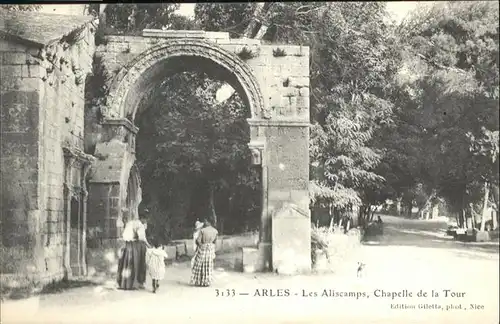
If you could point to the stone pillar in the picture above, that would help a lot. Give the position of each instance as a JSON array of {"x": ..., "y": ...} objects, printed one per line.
[
  {"x": 264, "y": 259},
  {"x": 285, "y": 242},
  {"x": 494, "y": 218},
  {"x": 68, "y": 191},
  {"x": 85, "y": 197},
  {"x": 107, "y": 193}
]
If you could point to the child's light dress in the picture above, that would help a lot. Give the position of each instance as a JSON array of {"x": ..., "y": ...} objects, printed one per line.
[{"x": 155, "y": 260}]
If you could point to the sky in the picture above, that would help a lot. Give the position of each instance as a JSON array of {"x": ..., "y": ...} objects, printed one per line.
[{"x": 399, "y": 9}]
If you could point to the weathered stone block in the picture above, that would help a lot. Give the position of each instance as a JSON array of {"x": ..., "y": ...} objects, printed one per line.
[
  {"x": 189, "y": 247},
  {"x": 11, "y": 70},
  {"x": 291, "y": 241},
  {"x": 299, "y": 82},
  {"x": 12, "y": 46},
  {"x": 250, "y": 258},
  {"x": 228, "y": 244},
  {"x": 114, "y": 202},
  {"x": 14, "y": 148},
  {"x": 173, "y": 33},
  {"x": 299, "y": 70},
  {"x": 279, "y": 195},
  {"x": 171, "y": 251},
  {"x": 118, "y": 47},
  {"x": 244, "y": 41},
  {"x": 218, "y": 244},
  {"x": 217, "y": 35},
  {"x": 298, "y": 51},
  {"x": 300, "y": 198},
  {"x": 19, "y": 111},
  {"x": 181, "y": 249},
  {"x": 483, "y": 236},
  {"x": 302, "y": 102},
  {"x": 304, "y": 92},
  {"x": 54, "y": 204},
  {"x": 289, "y": 92},
  {"x": 14, "y": 58}
]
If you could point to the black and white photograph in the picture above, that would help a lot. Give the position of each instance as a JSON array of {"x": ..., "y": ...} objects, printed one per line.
[{"x": 249, "y": 162}]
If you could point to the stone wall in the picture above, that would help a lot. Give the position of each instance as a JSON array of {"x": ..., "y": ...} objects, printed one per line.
[
  {"x": 42, "y": 112},
  {"x": 20, "y": 103}
]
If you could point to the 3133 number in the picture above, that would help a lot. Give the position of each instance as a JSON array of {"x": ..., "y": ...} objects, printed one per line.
[{"x": 225, "y": 292}]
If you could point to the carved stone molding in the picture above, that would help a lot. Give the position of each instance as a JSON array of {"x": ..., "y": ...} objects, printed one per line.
[
  {"x": 283, "y": 122},
  {"x": 75, "y": 154},
  {"x": 257, "y": 150},
  {"x": 120, "y": 129},
  {"x": 121, "y": 122},
  {"x": 130, "y": 74}
]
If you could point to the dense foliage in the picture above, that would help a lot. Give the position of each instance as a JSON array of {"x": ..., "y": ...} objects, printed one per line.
[
  {"x": 392, "y": 105},
  {"x": 192, "y": 152},
  {"x": 447, "y": 135},
  {"x": 405, "y": 112}
]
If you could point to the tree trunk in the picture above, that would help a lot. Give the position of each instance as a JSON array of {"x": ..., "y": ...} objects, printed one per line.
[
  {"x": 330, "y": 212},
  {"x": 463, "y": 219},
  {"x": 409, "y": 206},
  {"x": 494, "y": 219},
  {"x": 261, "y": 32},
  {"x": 372, "y": 212},
  {"x": 472, "y": 215},
  {"x": 211, "y": 204},
  {"x": 494, "y": 191},
  {"x": 435, "y": 211},
  {"x": 485, "y": 205},
  {"x": 260, "y": 8},
  {"x": 102, "y": 14}
]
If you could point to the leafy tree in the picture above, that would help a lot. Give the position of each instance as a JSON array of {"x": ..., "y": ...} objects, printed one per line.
[
  {"x": 451, "y": 99},
  {"x": 353, "y": 59},
  {"x": 133, "y": 18},
  {"x": 228, "y": 17}
]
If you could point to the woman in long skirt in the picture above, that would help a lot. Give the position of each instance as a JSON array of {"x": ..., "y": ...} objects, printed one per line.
[
  {"x": 197, "y": 228},
  {"x": 203, "y": 266},
  {"x": 132, "y": 263}
]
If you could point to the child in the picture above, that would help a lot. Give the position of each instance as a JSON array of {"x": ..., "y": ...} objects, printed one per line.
[
  {"x": 155, "y": 260},
  {"x": 197, "y": 228}
]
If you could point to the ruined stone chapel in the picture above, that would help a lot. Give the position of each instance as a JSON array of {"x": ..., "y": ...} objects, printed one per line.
[{"x": 68, "y": 172}]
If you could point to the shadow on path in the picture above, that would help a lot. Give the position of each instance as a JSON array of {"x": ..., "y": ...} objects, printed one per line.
[{"x": 428, "y": 234}]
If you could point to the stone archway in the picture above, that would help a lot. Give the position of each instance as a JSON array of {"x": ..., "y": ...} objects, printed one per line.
[
  {"x": 284, "y": 163},
  {"x": 120, "y": 98}
]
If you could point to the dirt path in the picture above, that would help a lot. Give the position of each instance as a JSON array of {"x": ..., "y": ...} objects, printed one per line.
[{"x": 411, "y": 256}]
